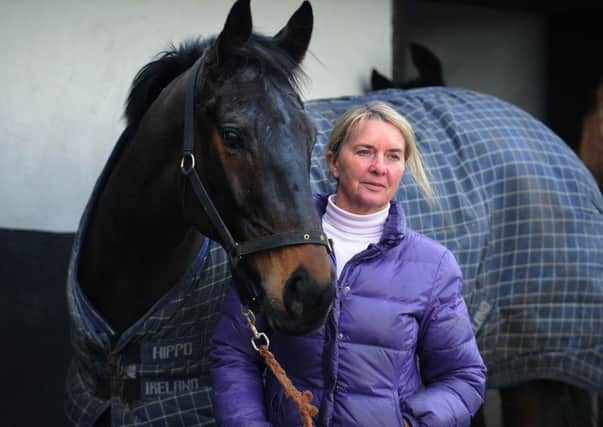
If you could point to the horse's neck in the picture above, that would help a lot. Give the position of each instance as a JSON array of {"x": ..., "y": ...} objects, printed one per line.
[{"x": 138, "y": 243}]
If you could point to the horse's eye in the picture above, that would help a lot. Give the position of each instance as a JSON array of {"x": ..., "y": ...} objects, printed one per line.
[{"x": 231, "y": 138}]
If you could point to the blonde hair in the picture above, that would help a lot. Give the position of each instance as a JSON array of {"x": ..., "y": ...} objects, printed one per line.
[{"x": 378, "y": 110}]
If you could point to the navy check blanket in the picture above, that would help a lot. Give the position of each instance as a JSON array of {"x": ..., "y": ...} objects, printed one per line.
[
  {"x": 520, "y": 212},
  {"x": 523, "y": 217}
]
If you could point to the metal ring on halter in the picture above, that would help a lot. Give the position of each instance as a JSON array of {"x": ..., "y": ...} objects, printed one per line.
[
  {"x": 260, "y": 335},
  {"x": 250, "y": 317},
  {"x": 187, "y": 163}
]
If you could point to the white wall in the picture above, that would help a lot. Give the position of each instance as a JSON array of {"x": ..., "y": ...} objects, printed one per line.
[{"x": 66, "y": 67}]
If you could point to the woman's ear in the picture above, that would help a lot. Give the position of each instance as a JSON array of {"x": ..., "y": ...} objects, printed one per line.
[{"x": 332, "y": 164}]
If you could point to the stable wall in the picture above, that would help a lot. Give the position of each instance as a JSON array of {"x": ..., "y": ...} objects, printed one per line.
[
  {"x": 67, "y": 67},
  {"x": 499, "y": 52}
]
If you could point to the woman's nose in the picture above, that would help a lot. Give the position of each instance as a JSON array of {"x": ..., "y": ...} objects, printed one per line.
[{"x": 378, "y": 165}]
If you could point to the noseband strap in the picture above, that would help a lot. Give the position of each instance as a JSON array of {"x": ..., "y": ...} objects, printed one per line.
[
  {"x": 279, "y": 240},
  {"x": 235, "y": 250}
]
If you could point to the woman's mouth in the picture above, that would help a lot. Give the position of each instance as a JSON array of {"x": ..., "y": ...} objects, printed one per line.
[{"x": 375, "y": 186}]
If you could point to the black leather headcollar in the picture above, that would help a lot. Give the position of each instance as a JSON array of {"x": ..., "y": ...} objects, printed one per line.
[{"x": 248, "y": 292}]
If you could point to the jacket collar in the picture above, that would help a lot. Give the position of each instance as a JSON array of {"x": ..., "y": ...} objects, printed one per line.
[{"x": 395, "y": 224}]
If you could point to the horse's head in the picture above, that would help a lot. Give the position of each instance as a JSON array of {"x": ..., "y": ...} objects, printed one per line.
[{"x": 253, "y": 153}]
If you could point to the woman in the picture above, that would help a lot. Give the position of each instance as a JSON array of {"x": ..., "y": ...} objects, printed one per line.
[{"x": 397, "y": 348}]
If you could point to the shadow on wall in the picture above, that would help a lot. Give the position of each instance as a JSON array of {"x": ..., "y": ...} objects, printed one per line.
[{"x": 35, "y": 327}]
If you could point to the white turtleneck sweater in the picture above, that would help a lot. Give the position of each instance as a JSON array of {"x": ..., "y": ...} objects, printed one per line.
[{"x": 351, "y": 233}]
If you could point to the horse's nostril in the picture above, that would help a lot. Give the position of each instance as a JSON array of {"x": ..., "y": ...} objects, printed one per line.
[
  {"x": 293, "y": 297},
  {"x": 305, "y": 299},
  {"x": 306, "y": 303},
  {"x": 295, "y": 308}
]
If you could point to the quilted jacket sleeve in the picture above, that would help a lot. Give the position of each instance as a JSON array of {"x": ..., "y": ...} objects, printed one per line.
[
  {"x": 451, "y": 367},
  {"x": 236, "y": 370}
]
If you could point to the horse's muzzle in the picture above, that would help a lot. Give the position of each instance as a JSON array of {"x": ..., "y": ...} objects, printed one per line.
[{"x": 306, "y": 303}]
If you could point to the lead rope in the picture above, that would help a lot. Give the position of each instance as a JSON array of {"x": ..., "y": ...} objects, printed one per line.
[{"x": 302, "y": 400}]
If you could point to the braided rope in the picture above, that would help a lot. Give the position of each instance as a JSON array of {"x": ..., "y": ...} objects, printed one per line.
[{"x": 302, "y": 400}]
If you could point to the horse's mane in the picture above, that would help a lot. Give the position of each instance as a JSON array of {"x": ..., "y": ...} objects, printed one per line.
[{"x": 153, "y": 77}]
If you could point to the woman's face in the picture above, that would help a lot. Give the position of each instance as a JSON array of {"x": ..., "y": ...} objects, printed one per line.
[{"x": 369, "y": 167}]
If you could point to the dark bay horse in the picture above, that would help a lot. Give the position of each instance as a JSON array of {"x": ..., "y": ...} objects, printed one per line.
[
  {"x": 217, "y": 145},
  {"x": 253, "y": 143}
]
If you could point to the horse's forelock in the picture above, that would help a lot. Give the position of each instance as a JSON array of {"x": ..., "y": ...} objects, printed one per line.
[
  {"x": 264, "y": 54},
  {"x": 277, "y": 59}
]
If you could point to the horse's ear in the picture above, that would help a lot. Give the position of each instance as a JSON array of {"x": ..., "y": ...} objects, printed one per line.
[
  {"x": 428, "y": 65},
  {"x": 379, "y": 81},
  {"x": 294, "y": 38},
  {"x": 237, "y": 28}
]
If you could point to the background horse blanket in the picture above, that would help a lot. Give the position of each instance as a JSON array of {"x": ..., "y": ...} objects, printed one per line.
[
  {"x": 518, "y": 209},
  {"x": 523, "y": 217}
]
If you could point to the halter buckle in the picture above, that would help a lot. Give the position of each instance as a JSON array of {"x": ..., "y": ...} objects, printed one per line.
[
  {"x": 235, "y": 253},
  {"x": 187, "y": 163}
]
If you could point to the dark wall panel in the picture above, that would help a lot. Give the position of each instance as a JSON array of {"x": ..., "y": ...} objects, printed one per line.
[{"x": 35, "y": 330}]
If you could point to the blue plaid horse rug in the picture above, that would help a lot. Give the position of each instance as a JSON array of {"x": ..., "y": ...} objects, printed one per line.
[{"x": 515, "y": 205}]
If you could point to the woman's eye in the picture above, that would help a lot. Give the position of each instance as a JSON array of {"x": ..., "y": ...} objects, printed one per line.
[
  {"x": 394, "y": 157},
  {"x": 363, "y": 152}
]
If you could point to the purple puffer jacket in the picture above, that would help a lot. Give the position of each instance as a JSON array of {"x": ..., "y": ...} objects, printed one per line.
[{"x": 396, "y": 300}]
